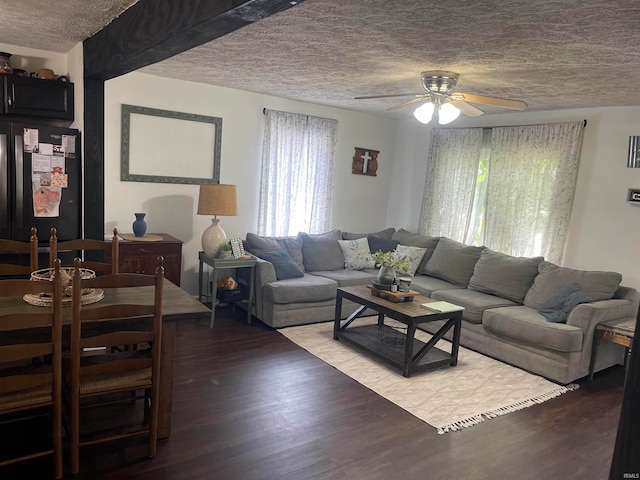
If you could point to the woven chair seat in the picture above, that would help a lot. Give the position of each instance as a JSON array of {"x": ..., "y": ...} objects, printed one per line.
[
  {"x": 22, "y": 399},
  {"x": 108, "y": 383}
]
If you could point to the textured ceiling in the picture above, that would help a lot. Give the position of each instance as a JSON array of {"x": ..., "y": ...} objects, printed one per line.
[
  {"x": 55, "y": 25},
  {"x": 552, "y": 54}
]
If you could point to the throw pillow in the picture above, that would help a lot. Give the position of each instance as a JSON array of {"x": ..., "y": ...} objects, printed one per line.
[
  {"x": 453, "y": 261},
  {"x": 551, "y": 278},
  {"x": 257, "y": 245},
  {"x": 377, "y": 244},
  {"x": 556, "y": 308},
  {"x": 356, "y": 254},
  {"x": 386, "y": 233},
  {"x": 416, "y": 240},
  {"x": 504, "y": 275},
  {"x": 414, "y": 256},
  {"x": 321, "y": 251},
  {"x": 283, "y": 264}
]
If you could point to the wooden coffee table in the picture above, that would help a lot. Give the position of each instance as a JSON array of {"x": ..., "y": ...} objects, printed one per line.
[{"x": 410, "y": 313}]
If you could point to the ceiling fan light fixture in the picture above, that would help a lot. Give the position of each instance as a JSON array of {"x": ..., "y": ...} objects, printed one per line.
[
  {"x": 447, "y": 113},
  {"x": 424, "y": 113}
]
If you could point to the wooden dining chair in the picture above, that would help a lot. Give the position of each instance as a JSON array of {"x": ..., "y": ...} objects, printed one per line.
[
  {"x": 116, "y": 369},
  {"x": 14, "y": 248},
  {"x": 30, "y": 362},
  {"x": 84, "y": 245}
]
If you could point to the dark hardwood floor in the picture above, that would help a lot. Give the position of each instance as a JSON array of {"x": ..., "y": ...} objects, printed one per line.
[{"x": 251, "y": 405}]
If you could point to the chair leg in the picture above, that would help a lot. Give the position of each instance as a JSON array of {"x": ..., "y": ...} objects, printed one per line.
[
  {"x": 74, "y": 440},
  {"x": 57, "y": 445}
]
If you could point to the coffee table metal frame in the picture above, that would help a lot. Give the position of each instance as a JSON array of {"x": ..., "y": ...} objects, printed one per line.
[{"x": 426, "y": 357}]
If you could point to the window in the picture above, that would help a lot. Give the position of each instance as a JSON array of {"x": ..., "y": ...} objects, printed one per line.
[
  {"x": 296, "y": 186},
  {"x": 509, "y": 188}
]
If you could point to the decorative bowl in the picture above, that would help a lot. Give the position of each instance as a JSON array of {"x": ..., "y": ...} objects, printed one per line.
[{"x": 381, "y": 286}]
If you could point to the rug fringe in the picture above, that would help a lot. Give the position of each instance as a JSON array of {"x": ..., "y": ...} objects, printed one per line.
[{"x": 476, "y": 419}]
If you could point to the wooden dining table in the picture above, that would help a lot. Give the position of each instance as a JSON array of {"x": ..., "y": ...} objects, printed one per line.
[{"x": 177, "y": 305}]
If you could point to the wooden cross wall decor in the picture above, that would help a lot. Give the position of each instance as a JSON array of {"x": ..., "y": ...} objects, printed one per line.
[{"x": 365, "y": 162}]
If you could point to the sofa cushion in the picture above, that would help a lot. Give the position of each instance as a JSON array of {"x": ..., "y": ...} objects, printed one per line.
[
  {"x": 427, "y": 285},
  {"x": 416, "y": 240},
  {"x": 349, "y": 278},
  {"x": 527, "y": 326},
  {"x": 414, "y": 257},
  {"x": 306, "y": 289},
  {"x": 258, "y": 244},
  {"x": 386, "y": 233},
  {"x": 503, "y": 275},
  {"x": 322, "y": 251},
  {"x": 283, "y": 264},
  {"x": 598, "y": 285},
  {"x": 453, "y": 261},
  {"x": 474, "y": 303},
  {"x": 356, "y": 254},
  {"x": 559, "y": 305},
  {"x": 378, "y": 244}
]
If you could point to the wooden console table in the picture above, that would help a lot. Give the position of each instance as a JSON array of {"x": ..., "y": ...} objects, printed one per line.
[{"x": 139, "y": 256}]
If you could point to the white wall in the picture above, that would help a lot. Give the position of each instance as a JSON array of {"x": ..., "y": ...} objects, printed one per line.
[
  {"x": 360, "y": 202},
  {"x": 604, "y": 229}
]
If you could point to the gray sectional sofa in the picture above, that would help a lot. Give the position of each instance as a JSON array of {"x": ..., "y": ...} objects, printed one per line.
[{"x": 524, "y": 311}]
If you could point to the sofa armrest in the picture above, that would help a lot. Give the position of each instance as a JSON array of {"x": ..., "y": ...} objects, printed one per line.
[
  {"x": 265, "y": 273},
  {"x": 587, "y": 315}
]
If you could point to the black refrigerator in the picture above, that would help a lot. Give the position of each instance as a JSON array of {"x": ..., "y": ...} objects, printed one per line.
[{"x": 40, "y": 181}]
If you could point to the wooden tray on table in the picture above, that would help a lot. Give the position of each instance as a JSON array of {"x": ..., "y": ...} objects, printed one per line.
[{"x": 395, "y": 297}]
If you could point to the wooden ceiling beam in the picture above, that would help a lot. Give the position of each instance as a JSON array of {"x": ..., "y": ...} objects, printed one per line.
[{"x": 154, "y": 30}]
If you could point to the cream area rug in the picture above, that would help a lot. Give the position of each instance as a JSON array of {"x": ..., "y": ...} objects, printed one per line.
[{"x": 448, "y": 398}]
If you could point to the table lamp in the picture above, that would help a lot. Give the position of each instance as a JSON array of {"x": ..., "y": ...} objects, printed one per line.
[{"x": 216, "y": 199}]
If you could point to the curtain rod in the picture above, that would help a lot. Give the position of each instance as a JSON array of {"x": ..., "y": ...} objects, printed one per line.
[
  {"x": 584, "y": 124},
  {"x": 264, "y": 112}
]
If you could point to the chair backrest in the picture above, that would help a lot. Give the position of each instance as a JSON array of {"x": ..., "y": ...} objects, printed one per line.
[
  {"x": 99, "y": 325},
  {"x": 14, "y": 248},
  {"x": 87, "y": 244}
]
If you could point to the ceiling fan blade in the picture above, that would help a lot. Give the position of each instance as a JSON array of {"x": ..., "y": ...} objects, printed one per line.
[
  {"x": 467, "y": 109},
  {"x": 386, "y": 96},
  {"x": 421, "y": 98},
  {"x": 495, "y": 101}
]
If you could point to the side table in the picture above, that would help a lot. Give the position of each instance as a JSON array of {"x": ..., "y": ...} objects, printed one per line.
[
  {"x": 616, "y": 331},
  {"x": 217, "y": 264}
]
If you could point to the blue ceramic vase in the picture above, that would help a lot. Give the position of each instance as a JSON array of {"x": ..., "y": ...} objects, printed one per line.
[{"x": 139, "y": 226}]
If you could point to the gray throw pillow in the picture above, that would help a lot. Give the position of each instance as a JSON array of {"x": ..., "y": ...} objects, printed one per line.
[
  {"x": 283, "y": 264},
  {"x": 453, "y": 261},
  {"x": 258, "y": 245},
  {"x": 557, "y": 308},
  {"x": 504, "y": 275},
  {"x": 322, "y": 251},
  {"x": 386, "y": 233},
  {"x": 416, "y": 240},
  {"x": 551, "y": 278},
  {"x": 377, "y": 244}
]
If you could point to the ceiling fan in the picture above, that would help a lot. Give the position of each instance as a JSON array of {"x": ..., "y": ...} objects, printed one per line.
[{"x": 443, "y": 102}]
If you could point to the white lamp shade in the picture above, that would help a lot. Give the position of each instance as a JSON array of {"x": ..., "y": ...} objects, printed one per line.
[
  {"x": 212, "y": 238},
  {"x": 447, "y": 113},
  {"x": 424, "y": 112}
]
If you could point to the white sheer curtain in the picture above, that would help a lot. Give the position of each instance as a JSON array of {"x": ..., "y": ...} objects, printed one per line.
[
  {"x": 296, "y": 185},
  {"x": 509, "y": 188},
  {"x": 451, "y": 179},
  {"x": 531, "y": 184}
]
